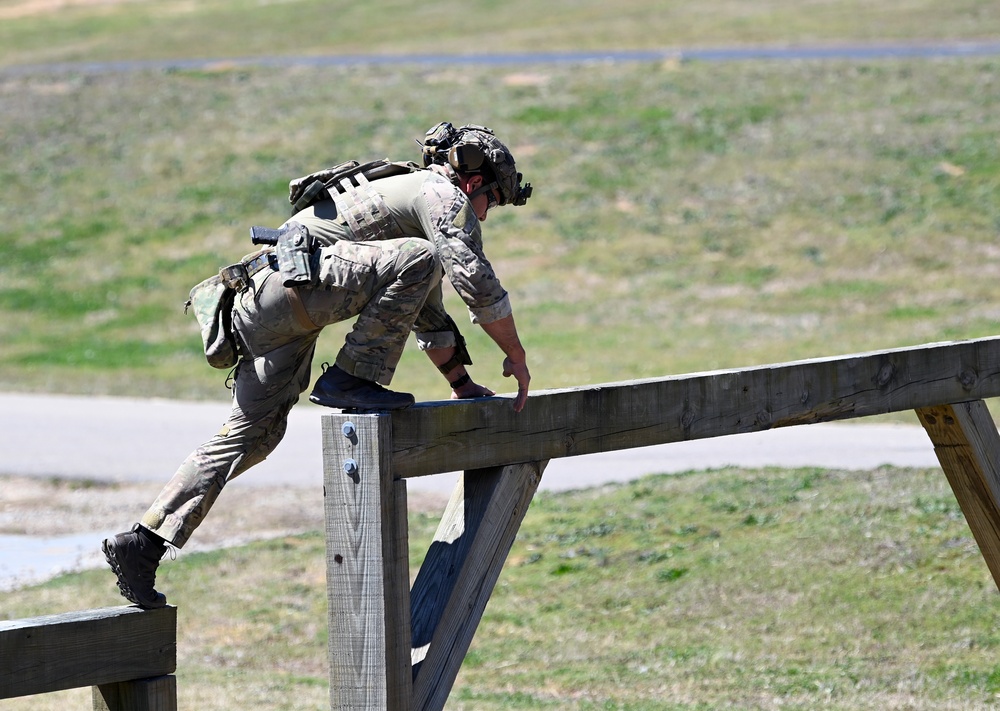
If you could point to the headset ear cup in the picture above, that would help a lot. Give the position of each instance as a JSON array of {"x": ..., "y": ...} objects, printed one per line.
[{"x": 466, "y": 158}]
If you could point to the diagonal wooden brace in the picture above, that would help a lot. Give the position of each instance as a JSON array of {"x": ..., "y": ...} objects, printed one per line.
[
  {"x": 967, "y": 445},
  {"x": 460, "y": 571}
]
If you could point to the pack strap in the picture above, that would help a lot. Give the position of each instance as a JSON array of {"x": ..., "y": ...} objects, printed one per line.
[{"x": 299, "y": 309}]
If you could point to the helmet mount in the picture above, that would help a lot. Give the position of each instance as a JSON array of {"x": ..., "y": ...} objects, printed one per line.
[{"x": 476, "y": 149}]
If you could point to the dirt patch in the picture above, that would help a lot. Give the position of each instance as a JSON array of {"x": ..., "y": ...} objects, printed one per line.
[
  {"x": 51, "y": 508},
  {"x": 29, "y": 8}
]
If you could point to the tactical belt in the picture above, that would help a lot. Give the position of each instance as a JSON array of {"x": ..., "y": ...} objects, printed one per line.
[
  {"x": 237, "y": 276},
  {"x": 365, "y": 210}
]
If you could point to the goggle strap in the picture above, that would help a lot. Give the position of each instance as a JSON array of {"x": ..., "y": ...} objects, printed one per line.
[{"x": 483, "y": 188}]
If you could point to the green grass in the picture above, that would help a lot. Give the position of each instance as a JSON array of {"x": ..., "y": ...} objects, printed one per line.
[
  {"x": 159, "y": 29},
  {"x": 686, "y": 218},
  {"x": 753, "y": 589}
]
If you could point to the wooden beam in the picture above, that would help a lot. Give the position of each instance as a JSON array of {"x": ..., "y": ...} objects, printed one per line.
[
  {"x": 460, "y": 571},
  {"x": 86, "y": 648},
  {"x": 968, "y": 446},
  {"x": 430, "y": 438},
  {"x": 367, "y": 567},
  {"x": 157, "y": 694}
]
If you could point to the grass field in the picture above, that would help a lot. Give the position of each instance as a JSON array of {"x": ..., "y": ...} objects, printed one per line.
[
  {"x": 731, "y": 589},
  {"x": 687, "y": 216},
  {"x": 39, "y": 31}
]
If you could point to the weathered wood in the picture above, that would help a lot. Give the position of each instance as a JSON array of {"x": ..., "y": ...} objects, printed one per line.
[
  {"x": 157, "y": 694},
  {"x": 367, "y": 567},
  {"x": 460, "y": 571},
  {"x": 462, "y": 435},
  {"x": 86, "y": 648},
  {"x": 967, "y": 444}
]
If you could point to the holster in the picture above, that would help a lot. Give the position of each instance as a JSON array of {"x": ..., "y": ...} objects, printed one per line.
[{"x": 294, "y": 246}]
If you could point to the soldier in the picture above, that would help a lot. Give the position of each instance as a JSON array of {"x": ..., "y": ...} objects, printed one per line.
[{"x": 379, "y": 242}]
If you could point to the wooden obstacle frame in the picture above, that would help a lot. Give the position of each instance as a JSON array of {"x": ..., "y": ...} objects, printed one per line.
[
  {"x": 394, "y": 647},
  {"x": 126, "y": 654}
]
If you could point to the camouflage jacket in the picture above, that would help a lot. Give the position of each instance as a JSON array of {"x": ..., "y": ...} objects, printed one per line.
[{"x": 428, "y": 205}]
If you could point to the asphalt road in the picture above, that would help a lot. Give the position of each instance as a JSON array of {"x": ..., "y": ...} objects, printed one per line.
[
  {"x": 126, "y": 439},
  {"x": 135, "y": 440}
]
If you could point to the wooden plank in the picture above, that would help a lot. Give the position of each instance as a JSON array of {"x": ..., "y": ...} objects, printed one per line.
[
  {"x": 460, "y": 571},
  {"x": 86, "y": 648},
  {"x": 156, "y": 694},
  {"x": 469, "y": 434},
  {"x": 968, "y": 446},
  {"x": 367, "y": 567}
]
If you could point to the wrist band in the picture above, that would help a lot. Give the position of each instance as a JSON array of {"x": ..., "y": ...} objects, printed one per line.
[{"x": 460, "y": 382}]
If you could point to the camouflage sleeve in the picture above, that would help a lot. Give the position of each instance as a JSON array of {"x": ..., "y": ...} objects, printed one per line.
[{"x": 456, "y": 233}]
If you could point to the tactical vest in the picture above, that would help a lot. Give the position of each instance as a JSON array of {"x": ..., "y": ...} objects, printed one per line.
[{"x": 348, "y": 184}]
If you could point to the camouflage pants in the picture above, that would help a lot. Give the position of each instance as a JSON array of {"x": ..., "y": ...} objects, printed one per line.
[{"x": 384, "y": 284}]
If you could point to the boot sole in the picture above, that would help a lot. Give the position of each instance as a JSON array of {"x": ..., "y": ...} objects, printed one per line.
[
  {"x": 123, "y": 587},
  {"x": 348, "y": 406}
]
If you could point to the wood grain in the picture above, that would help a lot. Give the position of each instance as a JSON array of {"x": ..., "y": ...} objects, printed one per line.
[
  {"x": 437, "y": 437},
  {"x": 86, "y": 648}
]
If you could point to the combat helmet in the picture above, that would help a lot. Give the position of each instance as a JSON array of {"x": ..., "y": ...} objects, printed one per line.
[{"x": 471, "y": 149}]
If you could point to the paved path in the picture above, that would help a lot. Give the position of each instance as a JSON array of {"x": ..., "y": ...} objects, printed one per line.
[
  {"x": 867, "y": 52},
  {"x": 133, "y": 440},
  {"x": 124, "y": 439}
]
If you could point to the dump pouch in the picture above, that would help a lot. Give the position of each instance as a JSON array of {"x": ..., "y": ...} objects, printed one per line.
[{"x": 212, "y": 303}]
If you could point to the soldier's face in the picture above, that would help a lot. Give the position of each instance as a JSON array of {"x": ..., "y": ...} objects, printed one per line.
[{"x": 481, "y": 204}]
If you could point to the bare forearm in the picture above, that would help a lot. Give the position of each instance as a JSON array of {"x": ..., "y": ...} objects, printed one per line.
[{"x": 504, "y": 334}]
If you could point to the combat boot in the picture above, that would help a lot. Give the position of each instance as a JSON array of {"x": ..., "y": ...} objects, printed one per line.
[
  {"x": 338, "y": 388},
  {"x": 134, "y": 556}
]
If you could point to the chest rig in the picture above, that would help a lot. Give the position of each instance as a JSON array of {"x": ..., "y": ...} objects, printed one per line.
[{"x": 357, "y": 201}]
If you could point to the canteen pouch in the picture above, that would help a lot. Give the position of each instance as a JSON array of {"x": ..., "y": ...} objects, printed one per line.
[{"x": 212, "y": 302}]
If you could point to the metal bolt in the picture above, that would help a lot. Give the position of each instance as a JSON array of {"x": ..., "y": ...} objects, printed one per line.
[
  {"x": 351, "y": 467},
  {"x": 348, "y": 429}
]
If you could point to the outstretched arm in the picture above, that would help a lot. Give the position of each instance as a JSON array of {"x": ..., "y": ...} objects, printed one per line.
[{"x": 504, "y": 334}]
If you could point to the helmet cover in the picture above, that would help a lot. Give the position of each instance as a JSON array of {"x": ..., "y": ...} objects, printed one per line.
[{"x": 471, "y": 148}]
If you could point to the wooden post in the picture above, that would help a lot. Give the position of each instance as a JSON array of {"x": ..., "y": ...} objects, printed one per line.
[
  {"x": 157, "y": 694},
  {"x": 367, "y": 566},
  {"x": 968, "y": 446},
  {"x": 460, "y": 571}
]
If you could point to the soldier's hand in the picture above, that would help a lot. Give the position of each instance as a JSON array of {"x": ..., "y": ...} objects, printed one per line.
[
  {"x": 470, "y": 390},
  {"x": 523, "y": 378}
]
